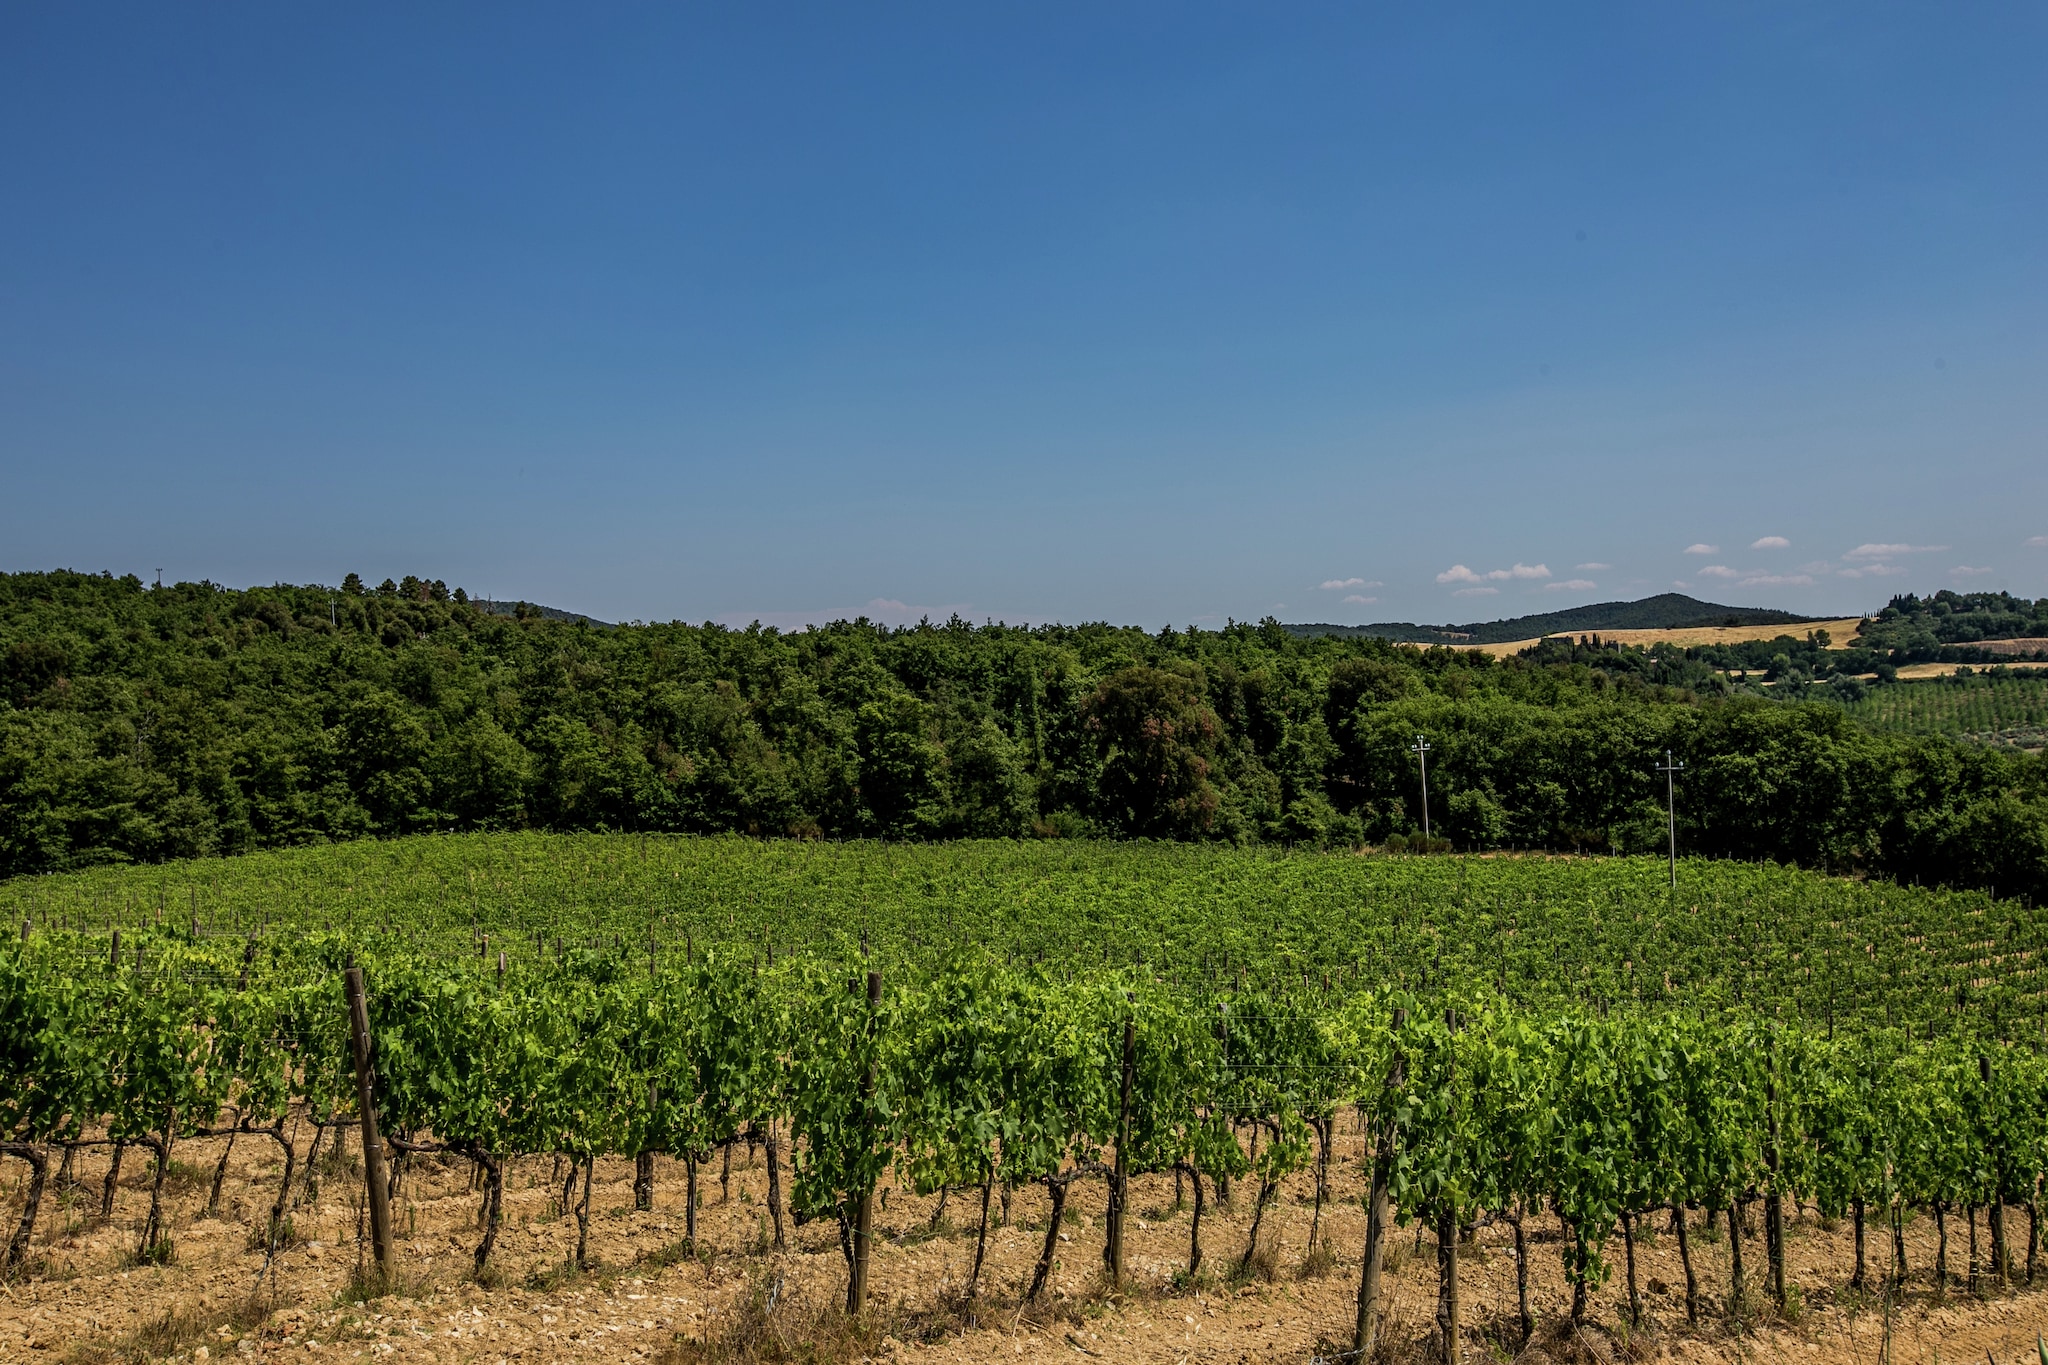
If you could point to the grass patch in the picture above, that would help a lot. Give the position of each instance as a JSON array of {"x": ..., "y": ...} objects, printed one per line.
[
  {"x": 366, "y": 1282},
  {"x": 259, "y": 1236},
  {"x": 678, "y": 1252},
  {"x": 174, "y": 1331},
  {"x": 1262, "y": 1265},
  {"x": 1398, "y": 1253},
  {"x": 161, "y": 1252},
  {"x": 1320, "y": 1261},
  {"x": 771, "y": 1327},
  {"x": 184, "y": 1177},
  {"x": 37, "y": 1266},
  {"x": 547, "y": 1278}
]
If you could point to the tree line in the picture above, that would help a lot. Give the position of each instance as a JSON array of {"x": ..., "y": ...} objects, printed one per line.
[{"x": 145, "y": 723}]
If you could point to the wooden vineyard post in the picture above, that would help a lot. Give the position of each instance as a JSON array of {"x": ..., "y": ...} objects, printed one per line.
[
  {"x": 1447, "y": 1306},
  {"x": 864, "y": 1211},
  {"x": 1376, "y": 1213},
  {"x": 2001, "y": 1253},
  {"x": 1120, "y": 1179},
  {"x": 1774, "y": 1202},
  {"x": 366, "y": 1101},
  {"x": 643, "y": 1161}
]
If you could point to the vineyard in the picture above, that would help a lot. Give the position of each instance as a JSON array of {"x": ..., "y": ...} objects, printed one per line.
[
  {"x": 2008, "y": 711},
  {"x": 1573, "y": 1042}
]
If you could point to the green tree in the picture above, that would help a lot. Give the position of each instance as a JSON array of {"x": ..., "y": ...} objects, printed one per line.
[{"x": 1158, "y": 740}]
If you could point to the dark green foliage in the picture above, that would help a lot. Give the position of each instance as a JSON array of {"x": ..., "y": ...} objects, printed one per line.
[
  {"x": 1158, "y": 740},
  {"x": 1942, "y": 628},
  {"x": 140, "y": 724}
]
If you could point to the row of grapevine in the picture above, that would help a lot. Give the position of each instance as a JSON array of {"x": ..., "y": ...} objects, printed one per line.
[
  {"x": 1539, "y": 931},
  {"x": 1981, "y": 705},
  {"x": 980, "y": 1074}
]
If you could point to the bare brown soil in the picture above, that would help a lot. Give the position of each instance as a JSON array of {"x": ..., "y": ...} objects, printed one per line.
[{"x": 649, "y": 1300}]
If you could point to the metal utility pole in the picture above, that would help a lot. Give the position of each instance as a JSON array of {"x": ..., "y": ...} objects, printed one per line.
[
  {"x": 1421, "y": 751},
  {"x": 1671, "y": 769}
]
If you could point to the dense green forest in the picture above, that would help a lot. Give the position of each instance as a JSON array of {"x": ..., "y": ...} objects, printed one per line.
[
  {"x": 1942, "y": 628},
  {"x": 142, "y": 723}
]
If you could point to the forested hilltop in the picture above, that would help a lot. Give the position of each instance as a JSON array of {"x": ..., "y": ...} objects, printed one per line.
[
  {"x": 1665, "y": 611},
  {"x": 1947, "y": 625},
  {"x": 148, "y": 723}
]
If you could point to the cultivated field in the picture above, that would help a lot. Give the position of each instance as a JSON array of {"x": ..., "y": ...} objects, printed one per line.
[
  {"x": 2010, "y": 711},
  {"x": 1840, "y": 634},
  {"x": 1571, "y": 1046}
]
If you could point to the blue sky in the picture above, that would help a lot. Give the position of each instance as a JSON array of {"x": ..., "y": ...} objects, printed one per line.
[{"x": 1159, "y": 314}]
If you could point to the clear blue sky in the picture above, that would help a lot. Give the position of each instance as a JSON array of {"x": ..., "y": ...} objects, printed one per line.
[{"x": 1149, "y": 314}]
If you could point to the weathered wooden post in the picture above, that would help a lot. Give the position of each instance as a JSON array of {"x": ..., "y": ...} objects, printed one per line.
[
  {"x": 1120, "y": 1180},
  {"x": 1376, "y": 1212},
  {"x": 366, "y": 1102},
  {"x": 864, "y": 1210}
]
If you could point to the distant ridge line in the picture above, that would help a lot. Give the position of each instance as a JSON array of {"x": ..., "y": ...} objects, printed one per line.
[
  {"x": 1665, "y": 611},
  {"x": 490, "y": 608}
]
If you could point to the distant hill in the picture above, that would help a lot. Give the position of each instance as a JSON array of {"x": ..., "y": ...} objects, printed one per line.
[
  {"x": 534, "y": 609},
  {"x": 1665, "y": 611}
]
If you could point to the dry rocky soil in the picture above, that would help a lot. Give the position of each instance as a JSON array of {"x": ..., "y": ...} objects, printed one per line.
[{"x": 646, "y": 1297}]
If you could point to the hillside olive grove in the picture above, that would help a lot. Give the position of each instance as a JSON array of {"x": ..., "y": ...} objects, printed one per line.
[{"x": 141, "y": 723}]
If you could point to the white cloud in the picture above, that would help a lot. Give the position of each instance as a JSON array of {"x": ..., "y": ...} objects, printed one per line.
[
  {"x": 1355, "y": 600},
  {"x": 1817, "y": 566},
  {"x": 1571, "y": 585},
  {"x": 1476, "y": 592},
  {"x": 1771, "y": 543},
  {"x": 1869, "y": 551},
  {"x": 1757, "y": 578},
  {"x": 2037, "y": 542},
  {"x": 1965, "y": 571},
  {"x": 1702, "y": 548},
  {"x": 1592, "y": 568},
  {"x": 1681, "y": 583},
  {"x": 1872, "y": 571},
  {"x": 1337, "y": 584},
  {"x": 1458, "y": 573}
]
